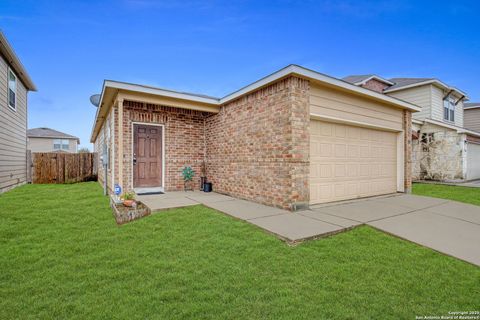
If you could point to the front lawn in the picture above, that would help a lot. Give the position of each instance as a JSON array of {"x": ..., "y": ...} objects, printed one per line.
[
  {"x": 462, "y": 194},
  {"x": 62, "y": 256}
]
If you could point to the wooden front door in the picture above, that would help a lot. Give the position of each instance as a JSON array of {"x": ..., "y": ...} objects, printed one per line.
[{"x": 147, "y": 156}]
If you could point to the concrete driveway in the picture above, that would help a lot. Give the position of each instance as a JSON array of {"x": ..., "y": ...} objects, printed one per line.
[{"x": 447, "y": 226}]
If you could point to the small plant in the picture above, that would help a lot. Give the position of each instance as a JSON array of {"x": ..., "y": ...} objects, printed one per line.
[
  {"x": 128, "y": 196},
  {"x": 128, "y": 199},
  {"x": 188, "y": 173}
]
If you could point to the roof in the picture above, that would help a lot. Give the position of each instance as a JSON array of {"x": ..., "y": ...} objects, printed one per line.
[
  {"x": 402, "y": 82},
  {"x": 471, "y": 105},
  {"x": 7, "y": 51},
  {"x": 49, "y": 133},
  {"x": 405, "y": 83},
  {"x": 362, "y": 79},
  {"x": 215, "y": 103}
]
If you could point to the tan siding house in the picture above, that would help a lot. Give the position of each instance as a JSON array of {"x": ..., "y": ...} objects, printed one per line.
[
  {"x": 49, "y": 140},
  {"x": 14, "y": 86},
  {"x": 443, "y": 147},
  {"x": 472, "y": 116},
  {"x": 290, "y": 140}
]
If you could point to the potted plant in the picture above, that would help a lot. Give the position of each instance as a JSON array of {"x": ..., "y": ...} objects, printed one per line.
[
  {"x": 128, "y": 199},
  {"x": 188, "y": 174}
]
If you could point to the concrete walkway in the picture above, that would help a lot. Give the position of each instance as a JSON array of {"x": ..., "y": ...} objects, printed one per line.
[{"x": 446, "y": 226}]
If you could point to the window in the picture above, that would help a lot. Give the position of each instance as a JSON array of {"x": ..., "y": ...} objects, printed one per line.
[
  {"x": 61, "y": 144},
  {"x": 12, "y": 89},
  {"x": 449, "y": 109}
]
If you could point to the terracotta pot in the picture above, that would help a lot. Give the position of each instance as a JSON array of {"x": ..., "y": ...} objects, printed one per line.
[{"x": 128, "y": 203}]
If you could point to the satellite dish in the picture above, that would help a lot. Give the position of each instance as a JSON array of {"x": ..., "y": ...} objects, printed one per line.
[{"x": 95, "y": 100}]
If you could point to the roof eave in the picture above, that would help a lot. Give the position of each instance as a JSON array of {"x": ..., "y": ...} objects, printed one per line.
[
  {"x": 423, "y": 83},
  {"x": 282, "y": 73},
  {"x": 14, "y": 61}
]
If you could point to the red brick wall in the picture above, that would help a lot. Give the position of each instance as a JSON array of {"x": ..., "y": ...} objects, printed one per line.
[
  {"x": 184, "y": 141},
  {"x": 258, "y": 145},
  {"x": 407, "y": 127},
  {"x": 375, "y": 85}
]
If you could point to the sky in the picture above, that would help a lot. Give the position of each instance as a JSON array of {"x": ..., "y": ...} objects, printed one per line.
[{"x": 216, "y": 47}]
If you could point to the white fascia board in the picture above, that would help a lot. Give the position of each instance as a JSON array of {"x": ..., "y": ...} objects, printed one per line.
[
  {"x": 433, "y": 81},
  {"x": 449, "y": 126},
  {"x": 417, "y": 121},
  {"x": 158, "y": 92},
  {"x": 310, "y": 74},
  {"x": 472, "y": 107},
  {"x": 376, "y": 78}
]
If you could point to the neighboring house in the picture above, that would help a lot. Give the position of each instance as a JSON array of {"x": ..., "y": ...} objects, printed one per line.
[
  {"x": 49, "y": 140},
  {"x": 14, "y": 86},
  {"x": 294, "y": 138},
  {"x": 443, "y": 147},
  {"x": 471, "y": 116}
]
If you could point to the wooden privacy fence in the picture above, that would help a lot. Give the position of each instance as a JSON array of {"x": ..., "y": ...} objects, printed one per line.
[{"x": 59, "y": 167}]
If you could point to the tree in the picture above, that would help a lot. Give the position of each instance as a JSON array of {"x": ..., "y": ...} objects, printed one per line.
[{"x": 84, "y": 150}]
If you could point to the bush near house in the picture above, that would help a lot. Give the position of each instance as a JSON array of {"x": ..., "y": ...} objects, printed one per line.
[{"x": 63, "y": 256}]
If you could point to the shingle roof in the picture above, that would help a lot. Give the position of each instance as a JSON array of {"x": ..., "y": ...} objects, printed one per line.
[
  {"x": 357, "y": 78},
  {"x": 49, "y": 133},
  {"x": 402, "y": 82}
]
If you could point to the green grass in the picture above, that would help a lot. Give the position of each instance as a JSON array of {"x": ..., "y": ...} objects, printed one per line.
[
  {"x": 462, "y": 194},
  {"x": 62, "y": 256}
]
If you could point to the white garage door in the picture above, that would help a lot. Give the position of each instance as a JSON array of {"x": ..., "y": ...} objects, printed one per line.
[
  {"x": 348, "y": 162},
  {"x": 473, "y": 161}
]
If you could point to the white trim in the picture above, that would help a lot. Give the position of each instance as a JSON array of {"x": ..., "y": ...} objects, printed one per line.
[
  {"x": 401, "y": 162},
  {"x": 417, "y": 121},
  {"x": 282, "y": 73},
  {"x": 400, "y": 143},
  {"x": 301, "y": 71},
  {"x": 112, "y": 164},
  {"x": 163, "y": 150},
  {"x": 422, "y": 83},
  {"x": 352, "y": 122},
  {"x": 472, "y": 107},
  {"x": 358, "y": 83},
  {"x": 14, "y": 108},
  {"x": 157, "y": 92},
  {"x": 449, "y": 126}
]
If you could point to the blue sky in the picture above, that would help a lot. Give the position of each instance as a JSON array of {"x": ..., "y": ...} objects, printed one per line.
[{"x": 214, "y": 48}]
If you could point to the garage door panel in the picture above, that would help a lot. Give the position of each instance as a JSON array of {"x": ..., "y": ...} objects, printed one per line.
[
  {"x": 349, "y": 162},
  {"x": 473, "y": 161}
]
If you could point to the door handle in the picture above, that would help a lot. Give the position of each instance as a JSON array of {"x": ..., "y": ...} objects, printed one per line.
[{"x": 134, "y": 159}]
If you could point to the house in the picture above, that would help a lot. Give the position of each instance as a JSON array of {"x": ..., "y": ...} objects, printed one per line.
[
  {"x": 14, "y": 86},
  {"x": 471, "y": 112},
  {"x": 293, "y": 138},
  {"x": 443, "y": 148},
  {"x": 49, "y": 140}
]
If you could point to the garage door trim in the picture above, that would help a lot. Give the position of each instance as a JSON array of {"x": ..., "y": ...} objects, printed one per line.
[{"x": 400, "y": 142}]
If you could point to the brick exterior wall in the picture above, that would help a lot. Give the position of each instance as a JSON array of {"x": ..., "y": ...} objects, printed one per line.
[
  {"x": 256, "y": 148},
  {"x": 407, "y": 127},
  {"x": 258, "y": 145},
  {"x": 184, "y": 141},
  {"x": 375, "y": 85}
]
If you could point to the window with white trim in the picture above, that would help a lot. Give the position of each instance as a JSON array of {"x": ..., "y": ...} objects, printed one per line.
[
  {"x": 12, "y": 90},
  {"x": 449, "y": 109},
  {"x": 61, "y": 144}
]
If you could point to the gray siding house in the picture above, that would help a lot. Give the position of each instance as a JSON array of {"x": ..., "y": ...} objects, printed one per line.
[
  {"x": 14, "y": 86},
  {"x": 49, "y": 140}
]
